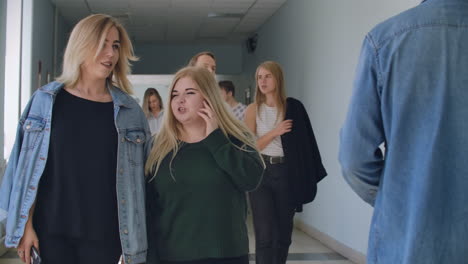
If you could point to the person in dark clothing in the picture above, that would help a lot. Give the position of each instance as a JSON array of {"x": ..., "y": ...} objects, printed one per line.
[
  {"x": 293, "y": 164},
  {"x": 202, "y": 163},
  {"x": 77, "y": 164}
]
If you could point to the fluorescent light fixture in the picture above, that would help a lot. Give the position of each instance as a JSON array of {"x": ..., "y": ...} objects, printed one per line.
[{"x": 225, "y": 15}]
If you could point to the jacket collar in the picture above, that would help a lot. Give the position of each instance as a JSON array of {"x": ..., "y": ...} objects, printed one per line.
[
  {"x": 52, "y": 88},
  {"x": 119, "y": 97}
]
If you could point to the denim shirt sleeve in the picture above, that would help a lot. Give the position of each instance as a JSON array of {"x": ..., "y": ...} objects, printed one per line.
[
  {"x": 8, "y": 178},
  {"x": 362, "y": 133}
]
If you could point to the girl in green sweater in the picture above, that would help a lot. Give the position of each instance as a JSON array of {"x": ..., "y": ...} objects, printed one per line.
[{"x": 201, "y": 164}]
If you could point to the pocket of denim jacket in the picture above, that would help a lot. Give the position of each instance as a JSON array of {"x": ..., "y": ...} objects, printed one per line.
[
  {"x": 135, "y": 141},
  {"x": 32, "y": 128}
]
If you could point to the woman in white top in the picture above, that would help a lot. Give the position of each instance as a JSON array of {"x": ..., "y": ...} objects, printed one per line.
[
  {"x": 272, "y": 209},
  {"x": 153, "y": 109}
]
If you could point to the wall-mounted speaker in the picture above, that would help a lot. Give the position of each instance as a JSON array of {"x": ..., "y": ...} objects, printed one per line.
[{"x": 251, "y": 43}]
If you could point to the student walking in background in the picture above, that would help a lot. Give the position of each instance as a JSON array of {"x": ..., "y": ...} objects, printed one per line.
[
  {"x": 74, "y": 185},
  {"x": 228, "y": 92},
  {"x": 200, "y": 166},
  {"x": 205, "y": 59},
  {"x": 153, "y": 109},
  {"x": 293, "y": 164}
]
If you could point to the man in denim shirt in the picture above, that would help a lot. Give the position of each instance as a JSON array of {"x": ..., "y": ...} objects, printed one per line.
[{"x": 410, "y": 95}]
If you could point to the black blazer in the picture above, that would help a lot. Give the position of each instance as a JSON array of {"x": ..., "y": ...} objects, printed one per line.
[{"x": 302, "y": 155}]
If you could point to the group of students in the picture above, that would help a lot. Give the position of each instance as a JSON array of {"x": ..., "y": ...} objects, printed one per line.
[
  {"x": 86, "y": 181},
  {"x": 153, "y": 103}
]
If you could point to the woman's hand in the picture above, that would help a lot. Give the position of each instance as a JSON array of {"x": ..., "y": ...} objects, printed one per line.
[
  {"x": 209, "y": 116},
  {"x": 283, "y": 127},
  {"x": 28, "y": 240}
]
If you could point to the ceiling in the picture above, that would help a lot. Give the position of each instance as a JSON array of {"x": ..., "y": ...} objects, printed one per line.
[{"x": 178, "y": 21}]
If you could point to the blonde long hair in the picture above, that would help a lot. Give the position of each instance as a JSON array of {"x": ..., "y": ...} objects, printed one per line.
[
  {"x": 148, "y": 93},
  {"x": 280, "y": 93},
  {"x": 89, "y": 36},
  {"x": 167, "y": 139}
]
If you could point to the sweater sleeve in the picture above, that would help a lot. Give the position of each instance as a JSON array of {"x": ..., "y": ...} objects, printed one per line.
[{"x": 243, "y": 166}]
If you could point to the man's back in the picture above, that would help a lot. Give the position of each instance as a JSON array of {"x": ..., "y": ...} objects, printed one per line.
[{"x": 410, "y": 92}]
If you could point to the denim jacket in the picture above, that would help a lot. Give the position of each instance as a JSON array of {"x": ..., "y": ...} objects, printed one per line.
[
  {"x": 410, "y": 94},
  {"x": 29, "y": 156}
]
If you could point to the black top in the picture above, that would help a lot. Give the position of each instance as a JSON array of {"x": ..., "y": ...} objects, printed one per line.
[
  {"x": 302, "y": 155},
  {"x": 77, "y": 191}
]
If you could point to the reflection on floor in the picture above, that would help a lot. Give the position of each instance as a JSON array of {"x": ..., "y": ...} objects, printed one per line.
[{"x": 304, "y": 250}]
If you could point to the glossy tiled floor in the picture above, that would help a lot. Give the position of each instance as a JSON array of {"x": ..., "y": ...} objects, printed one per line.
[{"x": 304, "y": 250}]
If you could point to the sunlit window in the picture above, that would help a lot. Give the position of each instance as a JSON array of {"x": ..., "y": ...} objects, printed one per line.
[{"x": 12, "y": 73}]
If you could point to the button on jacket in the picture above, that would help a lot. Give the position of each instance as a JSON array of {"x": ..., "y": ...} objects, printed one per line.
[{"x": 29, "y": 155}]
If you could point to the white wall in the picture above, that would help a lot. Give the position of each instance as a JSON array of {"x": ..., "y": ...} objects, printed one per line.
[
  {"x": 318, "y": 44},
  {"x": 167, "y": 59},
  {"x": 2, "y": 68},
  {"x": 12, "y": 77},
  {"x": 162, "y": 83}
]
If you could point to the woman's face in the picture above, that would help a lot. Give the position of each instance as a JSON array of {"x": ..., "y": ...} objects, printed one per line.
[
  {"x": 153, "y": 103},
  {"x": 266, "y": 81},
  {"x": 186, "y": 101},
  {"x": 104, "y": 64}
]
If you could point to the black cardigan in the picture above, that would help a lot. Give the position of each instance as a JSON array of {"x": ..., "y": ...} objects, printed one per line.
[{"x": 302, "y": 155}]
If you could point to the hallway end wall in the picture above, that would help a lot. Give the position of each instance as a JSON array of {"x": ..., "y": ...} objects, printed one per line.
[
  {"x": 318, "y": 45},
  {"x": 167, "y": 59}
]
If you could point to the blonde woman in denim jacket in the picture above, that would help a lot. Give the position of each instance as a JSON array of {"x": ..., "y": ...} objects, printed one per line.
[{"x": 76, "y": 168}]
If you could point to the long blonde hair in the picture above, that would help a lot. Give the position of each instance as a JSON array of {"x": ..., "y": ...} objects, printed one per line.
[
  {"x": 280, "y": 93},
  {"x": 89, "y": 36},
  {"x": 148, "y": 93},
  {"x": 167, "y": 139}
]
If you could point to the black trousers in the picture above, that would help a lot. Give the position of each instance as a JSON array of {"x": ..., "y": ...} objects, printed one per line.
[
  {"x": 60, "y": 250},
  {"x": 273, "y": 214},
  {"x": 237, "y": 260}
]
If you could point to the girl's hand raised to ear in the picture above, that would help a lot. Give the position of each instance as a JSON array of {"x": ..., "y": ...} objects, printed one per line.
[{"x": 209, "y": 116}]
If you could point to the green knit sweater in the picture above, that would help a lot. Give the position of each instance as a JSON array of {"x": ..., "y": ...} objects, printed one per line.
[{"x": 199, "y": 211}]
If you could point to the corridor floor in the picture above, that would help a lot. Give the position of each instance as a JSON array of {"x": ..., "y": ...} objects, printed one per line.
[{"x": 304, "y": 250}]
